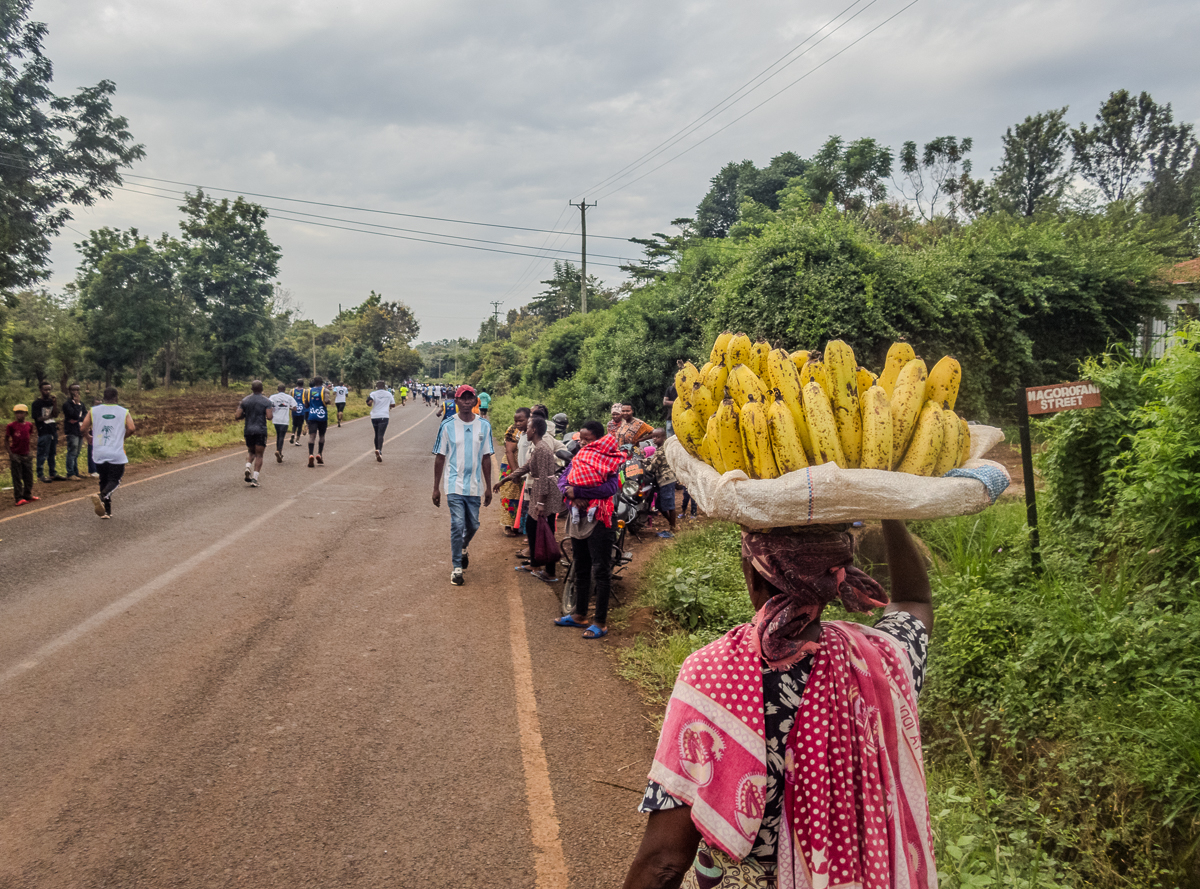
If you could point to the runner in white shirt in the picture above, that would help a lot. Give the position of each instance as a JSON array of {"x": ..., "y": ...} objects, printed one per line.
[
  {"x": 464, "y": 445},
  {"x": 339, "y": 400},
  {"x": 381, "y": 402},
  {"x": 282, "y": 405},
  {"x": 109, "y": 423}
]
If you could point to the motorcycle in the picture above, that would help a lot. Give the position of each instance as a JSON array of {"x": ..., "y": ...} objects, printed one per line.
[{"x": 631, "y": 511}]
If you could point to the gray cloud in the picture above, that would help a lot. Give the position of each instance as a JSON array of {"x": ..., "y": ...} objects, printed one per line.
[{"x": 501, "y": 112}]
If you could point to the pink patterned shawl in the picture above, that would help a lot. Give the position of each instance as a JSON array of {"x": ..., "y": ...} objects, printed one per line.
[{"x": 855, "y": 810}]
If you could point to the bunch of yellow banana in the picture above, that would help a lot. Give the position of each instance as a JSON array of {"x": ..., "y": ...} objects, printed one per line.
[{"x": 769, "y": 412}]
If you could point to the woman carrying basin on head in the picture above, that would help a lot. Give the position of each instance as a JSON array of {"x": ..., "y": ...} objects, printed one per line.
[{"x": 791, "y": 753}]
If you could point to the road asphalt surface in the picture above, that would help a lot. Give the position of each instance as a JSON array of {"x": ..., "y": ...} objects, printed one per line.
[{"x": 279, "y": 686}]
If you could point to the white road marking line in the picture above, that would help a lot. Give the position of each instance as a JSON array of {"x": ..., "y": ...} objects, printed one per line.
[
  {"x": 550, "y": 866},
  {"x": 167, "y": 577}
]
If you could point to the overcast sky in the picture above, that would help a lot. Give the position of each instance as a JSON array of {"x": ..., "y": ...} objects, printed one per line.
[{"x": 502, "y": 112}]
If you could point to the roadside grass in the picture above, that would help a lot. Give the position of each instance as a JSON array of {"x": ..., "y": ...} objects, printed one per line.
[{"x": 1061, "y": 715}]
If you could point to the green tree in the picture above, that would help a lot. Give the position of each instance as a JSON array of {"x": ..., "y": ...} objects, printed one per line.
[
  {"x": 399, "y": 361},
  {"x": 1130, "y": 132},
  {"x": 126, "y": 300},
  {"x": 1034, "y": 172},
  {"x": 1174, "y": 187},
  {"x": 939, "y": 171},
  {"x": 228, "y": 262},
  {"x": 561, "y": 296},
  {"x": 286, "y": 363},
  {"x": 660, "y": 251},
  {"x": 360, "y": 365},
  {"x": 853, "y": 175},
  {"x": 58, "y": 150},
  {"x": 736, "y": 182},
  {"x": 383, "y": 324}
]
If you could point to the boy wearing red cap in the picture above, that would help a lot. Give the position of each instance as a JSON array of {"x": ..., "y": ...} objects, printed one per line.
[{"x": 17, "y": 436}]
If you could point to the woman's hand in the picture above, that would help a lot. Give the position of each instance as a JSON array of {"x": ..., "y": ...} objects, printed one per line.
[{"x": 496, "y": 487}]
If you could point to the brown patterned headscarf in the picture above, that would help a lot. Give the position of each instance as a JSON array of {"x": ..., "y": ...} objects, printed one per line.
[{"x": 809, "y": 568}]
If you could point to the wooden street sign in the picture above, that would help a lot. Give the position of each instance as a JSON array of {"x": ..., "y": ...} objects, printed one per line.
[{"x": 1061, "y": 397}]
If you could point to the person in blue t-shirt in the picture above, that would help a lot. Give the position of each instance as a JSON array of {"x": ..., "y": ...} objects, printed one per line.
[
  {"x": 316, "y": 405},
  {"x": 299, "y": 412}
]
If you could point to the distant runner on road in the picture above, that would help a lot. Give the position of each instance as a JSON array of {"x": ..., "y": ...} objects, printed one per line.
[
  {"x": 464, "y": 442},
  {"x": 299, "y": 412},
  {"x": 316, "y": 405},
  {"x": 282, "y": 406},
  {"x": 485, "y": 402},
  {"x": 256, "y": 408},
  {"x": 403, "y": 394},
  {"x": 110, "y": 423},
  {"x": 381, "y": 403},
  {"x": 339, "y": 401}
]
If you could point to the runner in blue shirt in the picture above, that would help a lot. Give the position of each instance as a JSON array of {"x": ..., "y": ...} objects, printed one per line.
[
  {"x": 464, "y": 448},
  {"x": 316, "y": 405},
  {"x": 299, "y": 412}
]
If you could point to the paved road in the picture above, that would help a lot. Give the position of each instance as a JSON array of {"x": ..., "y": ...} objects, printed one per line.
[{"x": 226, "y": 686}]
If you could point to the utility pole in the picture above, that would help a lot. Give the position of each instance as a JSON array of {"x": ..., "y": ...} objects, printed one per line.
[
  {"x": 496, "y": 304},
  {"x": 314, "y": 338},
  {"x": 583, "y": 208}
]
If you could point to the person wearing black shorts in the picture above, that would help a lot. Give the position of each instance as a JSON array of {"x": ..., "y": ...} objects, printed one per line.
[
  {"x": 257, "y": 411},
  {"x": 316, "y": 403},
  {"x": 298, "y": 413}
]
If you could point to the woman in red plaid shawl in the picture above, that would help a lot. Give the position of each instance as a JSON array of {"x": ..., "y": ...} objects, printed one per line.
[
  {"x": 589, "y": 485},
  {"x": 790, "y": 756}
]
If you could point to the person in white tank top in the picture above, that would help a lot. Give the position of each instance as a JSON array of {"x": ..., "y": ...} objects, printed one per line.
[{"x": 109, "y": 424}]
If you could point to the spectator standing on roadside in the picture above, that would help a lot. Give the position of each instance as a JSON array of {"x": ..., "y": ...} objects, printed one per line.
[
  {"x": 632, "y": 430},
  {"x": 257, "y": 410},
  {"x": 109, "y": 423},
  {"x": 45, "y": 418},
  {"x": 93, "y": 472},
  {"x": 663, "y": 479},
  {"x": 617, "y": 420},
  {"x": 464, "y": 443},
  {"x": 381, "y": 403},
  {"x": 510, "y": 492},
  {"x": 669, "y": 402},
  {"x": 339, "y": 400},
  {"x": 18, "y": 437},
  {"x": 282, "y": 406},
  {"x": 590, "y": 483},
  {"x": 485, "y": 402},
  {"x": 73, "y": 414},
  {"x": 542, "y": 494}
]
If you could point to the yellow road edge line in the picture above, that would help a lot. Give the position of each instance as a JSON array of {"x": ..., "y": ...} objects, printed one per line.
[
  {"x": 550, "y": 865},
  {"x": 147, "y": 589}
]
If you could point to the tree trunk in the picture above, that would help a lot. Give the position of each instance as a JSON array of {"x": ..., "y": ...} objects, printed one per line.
[
  {"x": 224, "y": 372},
  {"x": 167, "y": 367},
  {"x": 139, "y": 373}
]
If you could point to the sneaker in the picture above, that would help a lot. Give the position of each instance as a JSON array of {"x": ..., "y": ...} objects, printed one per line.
[
  {"x": 247, "y": 476},
  {"x": 279, "y": 456},
  {"x": 106, "y": 516},
  {"x": 320, "y": 460},
  {"x": 312, "y": 461},
  {"x": 456, "y": 577},
  {"x": 466, "y": 560},
  {"x": 378, "y": 456},
  {"x": 297, "y": 444},
  {"x": 254, "y": 483},
  {"x": 94, "y": 475},
  {"x": 98, "y": 506}
]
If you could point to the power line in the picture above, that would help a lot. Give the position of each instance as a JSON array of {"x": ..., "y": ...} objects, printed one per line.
[
  {"x": 763, "y": 102},
  {"x": 725, "y": 103}
]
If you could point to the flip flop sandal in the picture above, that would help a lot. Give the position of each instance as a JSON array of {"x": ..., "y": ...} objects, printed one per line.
[
  {"x": 594, "y": 632},
  {"x": 543, "y": 576},
  {"x": 523, "y": 568},
  {"x": 568, "y": 621},
  {"x": 522, "y": 555}
]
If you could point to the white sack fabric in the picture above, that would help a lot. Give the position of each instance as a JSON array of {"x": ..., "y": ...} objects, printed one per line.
[{"x": 828, "y": 495}]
